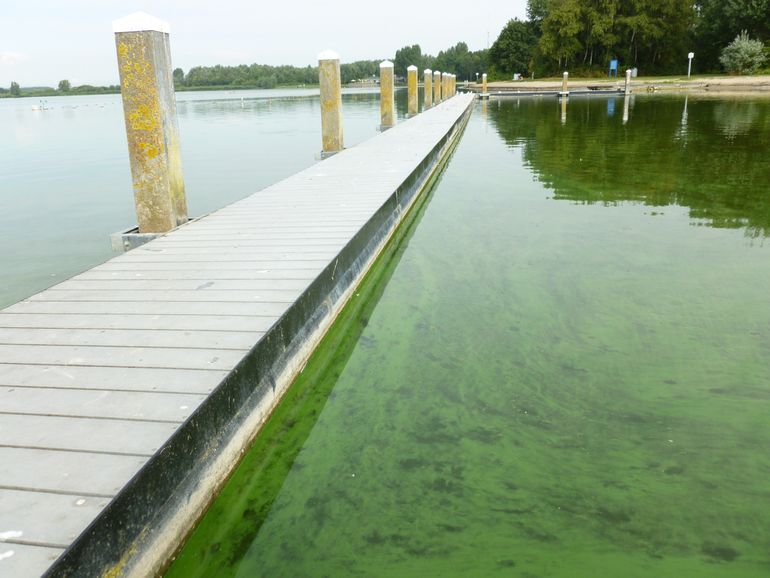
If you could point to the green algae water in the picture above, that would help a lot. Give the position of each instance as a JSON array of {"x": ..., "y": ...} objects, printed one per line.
[{"x": 561, "y": 368}]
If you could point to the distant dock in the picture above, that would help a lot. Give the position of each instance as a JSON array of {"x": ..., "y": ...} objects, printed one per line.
[{"x": 130, "y": 391}]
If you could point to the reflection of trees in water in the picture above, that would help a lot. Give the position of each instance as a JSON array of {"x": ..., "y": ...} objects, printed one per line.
[
  {"x": 720, "y": 170},
  {"x": 735, "y": 118}
]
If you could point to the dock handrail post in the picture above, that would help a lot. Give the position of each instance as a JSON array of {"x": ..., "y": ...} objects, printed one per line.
[
  {"x": 436, "y": 86},
  {"x": 330, "y": 81},
  {"x": 628, "y": 81},
  {"x": 411, "y": 83},
  {"x": 152, "y": 128},
  {"x": 387, "y": 101},
  {"x": 428, "y": 82},
  {"x": 565, "y": 84}
]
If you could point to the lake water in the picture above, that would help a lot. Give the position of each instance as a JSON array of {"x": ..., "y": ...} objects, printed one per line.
[
  {"x": 65, "y": 181},
  {"x": 560, "y": 369}
]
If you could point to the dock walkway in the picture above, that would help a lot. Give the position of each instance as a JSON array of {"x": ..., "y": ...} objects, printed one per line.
[{"x": 113, "y": 383}]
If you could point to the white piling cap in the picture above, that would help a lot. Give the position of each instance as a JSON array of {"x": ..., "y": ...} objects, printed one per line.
[
  {"x": 445, "y": 75},
  {"x": 484, "y": 75},
  {"x": 428, "y": 71},
  {"x": 437, "y": 72},
  {"x": 412, "y": 67},
  {"x": 140, "y": 22},
  {"x": 386, "y": 64},
  {"x": 328, "y": 55}
]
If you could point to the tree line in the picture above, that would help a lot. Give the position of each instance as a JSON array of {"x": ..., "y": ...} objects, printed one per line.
[
  {"x": 654, "y": 36},
  {"x": 457, "y": 59}
]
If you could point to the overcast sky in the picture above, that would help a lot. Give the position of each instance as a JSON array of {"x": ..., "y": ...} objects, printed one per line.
[{"x": 44, "y": 41}]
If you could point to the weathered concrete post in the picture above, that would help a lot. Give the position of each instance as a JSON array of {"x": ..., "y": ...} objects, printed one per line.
[
  {"x": 387, "y": 101},
  {"x": 454, "y": 84},
  {"x": 428, "y": 82},
  {"x": 331, "y": 103},
  {"x": 628, "y": 81},
  {"x": 564, "y": 84},
  {"x": 149, "y": 108},
  {"x": 436, "y": 87},
  {"x": 484, "y": 88},
  {"x": 411, "y": 87}
]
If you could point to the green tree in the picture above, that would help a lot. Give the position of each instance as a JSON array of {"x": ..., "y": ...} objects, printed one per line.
[
  {"x": 650, "y": 34},
  {"x": 743, "y": 55},
  {"x": 406, "y": 57},
  {"x": 718, "y": 22},
  {"x": 64, "y": 86},
  {"x": 15, "y": 90},
  {"x": 513, "y": 50},
  {"x": 178, "y": 76}
]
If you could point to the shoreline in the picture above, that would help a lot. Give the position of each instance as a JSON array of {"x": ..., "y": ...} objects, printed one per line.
[{"x": 718, "y": 84}]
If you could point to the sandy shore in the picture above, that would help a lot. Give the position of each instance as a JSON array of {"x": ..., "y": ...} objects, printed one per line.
[{"x": 733, "y": 84}]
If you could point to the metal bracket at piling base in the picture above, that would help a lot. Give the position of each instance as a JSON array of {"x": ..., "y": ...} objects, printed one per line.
[
  {"x": 564, "y": 94},
  {"x": 484, "y": 96},
  {"x": 124, "y": 241},
  {"x": 323, "y": 155}
]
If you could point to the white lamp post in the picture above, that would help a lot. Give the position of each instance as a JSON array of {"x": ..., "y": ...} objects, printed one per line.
[{"x": 690, "y": 56}]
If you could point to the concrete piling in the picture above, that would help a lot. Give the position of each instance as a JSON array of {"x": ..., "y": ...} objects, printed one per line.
[
  {"x": 436, "y": 86},
  {"x": 411, "y": 87},
  {"x": 331, "y": 103},
  {"x": 149, "y": 108},
  {"x": 387, "y": 103},
  {"x": 428, "y": 82},
  {"x": 565, "y": 84},
  {"x": 484, "y": 87},
  {"x": 628, "y": 82},
  {"x": 444, "y": 85}
]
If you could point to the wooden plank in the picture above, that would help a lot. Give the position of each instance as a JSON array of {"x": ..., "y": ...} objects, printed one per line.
[
  {"x": 186, "y": 381},
  {"x": 22, "y": 561},
  {"x": 205, "y": 266},
  {"x": 203, "y": 359},
  {"x": 97, "y": 404},
  {"x": 211, "y": 295},
  {"x": 272, "y": 310},
  {"x": 197, "y": 323},
  {"x": 83, "y": 434},
  {"x": 132, "y": 283},
  {"x": 78, "y": 474},
  {"x": 44, "y": 519},
  {"x": 201, "y": 276},
  {"x": 239, "y": 341}
]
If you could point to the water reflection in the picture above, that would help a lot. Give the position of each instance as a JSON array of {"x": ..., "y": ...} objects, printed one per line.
[
  {"x": 705, "y": 154},
  {"x": 70, "y": 157}
]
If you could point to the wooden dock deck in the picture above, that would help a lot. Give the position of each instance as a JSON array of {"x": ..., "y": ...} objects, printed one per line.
[{"x": 103, "y": 373}]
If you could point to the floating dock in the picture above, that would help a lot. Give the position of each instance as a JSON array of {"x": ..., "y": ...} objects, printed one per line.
[{"x": 130, "y": 391}]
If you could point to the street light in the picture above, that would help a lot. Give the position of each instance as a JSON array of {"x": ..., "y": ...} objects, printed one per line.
[{"x": 690, "y": 56}]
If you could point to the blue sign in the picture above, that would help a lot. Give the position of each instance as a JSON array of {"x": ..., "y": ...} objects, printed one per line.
[{"x": 614, "y": 67}]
